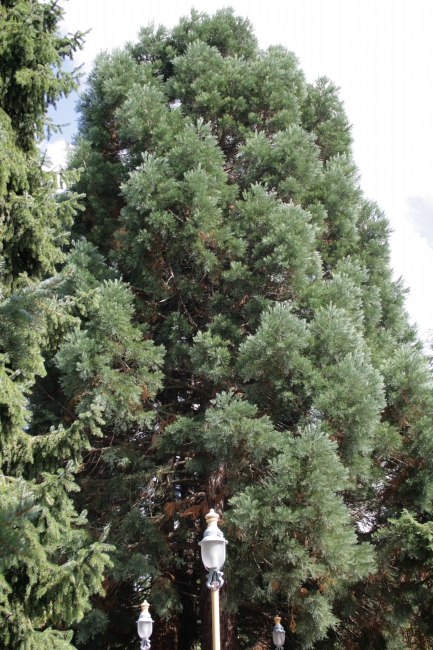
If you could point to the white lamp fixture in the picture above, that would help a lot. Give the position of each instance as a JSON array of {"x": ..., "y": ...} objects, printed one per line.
[
  {"x": 145, "y": 625},
  {"x": 213, "y": 544},
  {"x": 278, "y": 634}
]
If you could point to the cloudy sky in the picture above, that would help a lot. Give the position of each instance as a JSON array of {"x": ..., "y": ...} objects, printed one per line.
[{"x": 380, "y": 52}]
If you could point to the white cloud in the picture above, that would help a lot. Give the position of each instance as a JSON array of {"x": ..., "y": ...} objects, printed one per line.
[
  {"x": 412, "y": 258},
  {"x": 55, "y": 154},
  {"x": 421, "y": 215}
]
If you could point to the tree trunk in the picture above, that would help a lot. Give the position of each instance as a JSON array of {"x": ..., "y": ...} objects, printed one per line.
[
  {"x": 187, "y": 631},
  {"x": 165, "y": 634},
  {"x": 229, "y": 631}
]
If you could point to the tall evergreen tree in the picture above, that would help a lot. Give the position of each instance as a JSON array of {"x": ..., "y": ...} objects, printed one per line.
[
  {"x": 294, "y": 397},
  {"x": 49, "y": 564}
]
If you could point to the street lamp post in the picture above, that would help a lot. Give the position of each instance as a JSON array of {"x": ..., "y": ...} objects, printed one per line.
[
  {"x": 278, "y": 634},
  {"x": 145, "y": 626},
  {"x": 213, "y": 555}
]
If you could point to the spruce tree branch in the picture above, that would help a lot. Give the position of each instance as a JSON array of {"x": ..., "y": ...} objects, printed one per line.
[
  {"x": 186, "y": 584},
  {"x": 183, "y": 481},
  {"x": 175, "y": 216},
  {"x": 187, "y": 594},
  {"x": 17, "y": 513},
  {"x": 183, "y": 547},
  {"x": 188, "y": 402},
  {"x": 13, "y": 549},
  {"x": 50, "y": 397},
  {"x": 53, "y": 311},
  {"x": 256, "y": 608},
  {"x": 179, "y": 297},
  {"x": 94, "y": 450},
  {"x": 182, "y": 384}
]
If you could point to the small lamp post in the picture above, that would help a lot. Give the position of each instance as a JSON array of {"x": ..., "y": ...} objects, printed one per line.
[
  {"x": 213, "y": 555},
  {"x": 278, "y": 634},
  {"x": 145, "y": 625}
]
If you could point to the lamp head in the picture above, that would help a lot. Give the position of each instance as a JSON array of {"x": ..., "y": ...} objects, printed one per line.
[
  {"x": 145, "y": 623},
  {"x": 213, "y": 544},
  {"x": 278, "y": 634}
]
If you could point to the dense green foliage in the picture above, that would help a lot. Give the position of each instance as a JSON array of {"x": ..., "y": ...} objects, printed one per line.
[
  {"x": 294, "y": 397},
  {"x": 225, "y": 333},
  {"x": 49, "y": 564}
]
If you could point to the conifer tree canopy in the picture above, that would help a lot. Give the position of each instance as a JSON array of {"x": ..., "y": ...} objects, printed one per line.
[
  {"x": 239, "y": 343},
  {"x": 49, "y": 563}
]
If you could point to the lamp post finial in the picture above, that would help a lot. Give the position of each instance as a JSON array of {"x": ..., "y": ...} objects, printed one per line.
[{"x": 212, "y": 518}]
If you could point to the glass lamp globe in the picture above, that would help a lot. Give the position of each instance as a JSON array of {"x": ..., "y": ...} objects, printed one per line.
[
  {"x": 278, "y": 634},
  {"x": 213, "y": 544},
  {"x": 145, "y": 623}
]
